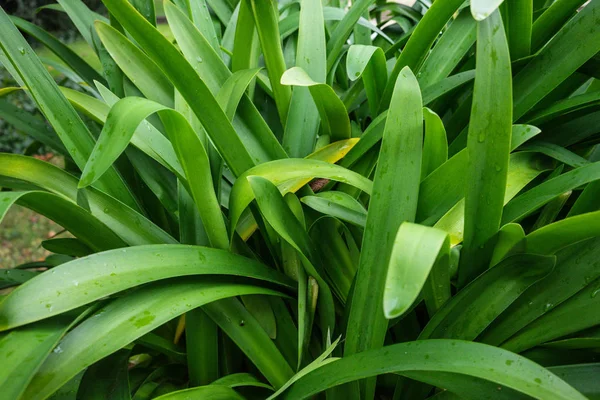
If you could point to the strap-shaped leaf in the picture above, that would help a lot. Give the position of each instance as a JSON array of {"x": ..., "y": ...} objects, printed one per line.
[
  {"x": 435, "y": 144},
  {"x": 25, "y": 349},
  {"x": 138, "y": 67},
  {"x": 416, "y": 252},
  {"x": 476, "y": 306},
  {"x": 488, "y": 145},
  {"x": 186, "y": 80},
  {"x": 334, "y": 116},
  {"x": 121, "y": 123},
  {"x": 576, "y": 268},
  {"x": 84, "y": 280},
  {"x": 76, "y": 63},
  {"x": 128, "y": 224},
  {"x": 279, "y": 216},
  {"x": 213, "y": 392},
  {"x": 419, "y": 43},
  {"x": 339, "y": 205},
  {"x": 449, "y": 50},
  {"x": 369, "y": 63},
  {"x": 393, "y": 201},
  {"x": 80, "y": 222},
  {"x": 266, "y": 17},
  {"x": 17, "y": 55},
  {"x": 563, "y": 55},
  {"x": 477, "y": 360},
  {"x": 124, "y": 320},
  {"x": 536, "y": 197},
  {"x": 297, "y": 172},
  {"x": 302, "y": 122}
]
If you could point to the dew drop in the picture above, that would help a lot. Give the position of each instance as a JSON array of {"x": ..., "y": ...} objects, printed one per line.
[
  {"x": 57, "y": 350},
  {"x": 21, "y": 50},
  {"x": 481, "y": 138}
]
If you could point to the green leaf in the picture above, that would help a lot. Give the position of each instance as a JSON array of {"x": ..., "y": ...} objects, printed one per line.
[
  {"x": 76, "y": 63},
  {"x": 212, "y": 392},
  {"x": 470, "y": 311},
  {"x": 202, "y": 347},
  {"x": 84, "y": 280},
  {"x": 416, "y": 250},
  {"x": 24, "y": 350},
  {"x": 339, "y": 205},
  {"x": 342, "y": 30},
  {"x": 477, "y": 360},
  {"x": 241, "y": 379},
  {"x": 419, "y": 43},
  {"x": 266, "y": 19},
  {"x": 554, "y": 17},
  {"x": 577, "y": 313},
  {"x": 581, "y": 377},
  {"x": 251, "y": 129},
  {"x": 72, "y": 131},
  {"x": 279, "y": 216},
  {"x": 522, "y": 170},
  {"x": 251, "y": 338},
  {"x": 435, "y": 145},
  {"x": 14, "y": 277},
  {"x": 121, "y": 123},
  {"x": 482, "y": 9},
  {"x": 436, "y": 90},
  {"x": 297, "y": 172},
  {"x": 83, "y": 18},
  {"x": 392, "y": 203},
  {"x": 488, "y": 144},
  {"x": 369, "y": 63},
  {"x": 124, "y": 320},
  {"x": 31, "y": 126},
  {"x": 576, "y": 268},
  {"x": 536, "y": 197},
  {"x": 557, "y": 152},
  {"x": 449, "y": 50},
  {"x": 565, "y": 106},
  {"x": 69, "y": 246},
  {"x": 334, "y": 116},
  {"x": 108, "y": 376},
  {"x": 563, "y": 55},
  {"x": 186, "y": 80},
  {"x": 518, "y": 20},
  {"x": 137, "y": 66},
  {"x": 82, "y": 224},
  {"x": 302, "y": 122}
]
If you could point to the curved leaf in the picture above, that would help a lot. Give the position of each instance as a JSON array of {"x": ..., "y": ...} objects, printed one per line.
[
  {"x": 129, "y": 225},
  {"x": 124, "y": 320},
  {"x": 212, "y": 392},
  {"x": 470, "y": 311},
  {"x": 298, "y": 172},
  {"x": 392, "y": 203},
  {"x": 478, "y": 360},
  {"x": 84, "y": 280},
  {"x": 334, "y": 116},
  {"x": 369, "y": 63},
  {"x": 416, "y": 249},
  {"x": 140, "y": 69},
  {"x": 488, "y": 144},
  {"x": 83, "y": 225},
  {"x": 338, "y": 204}
]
